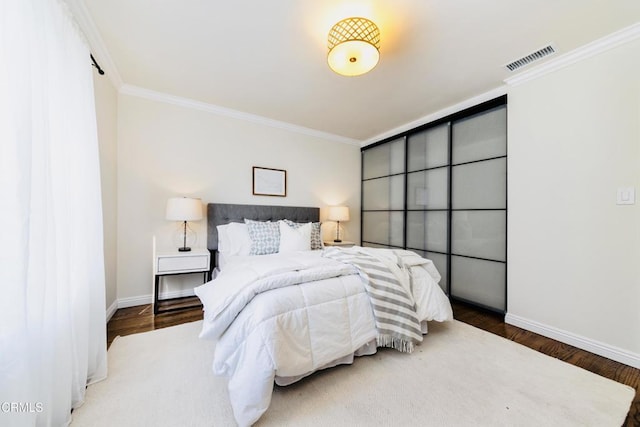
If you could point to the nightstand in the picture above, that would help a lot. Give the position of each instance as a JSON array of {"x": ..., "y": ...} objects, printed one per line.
[
  {"x": 344, "y": 243},
  {"x": 174, "y": 263}
]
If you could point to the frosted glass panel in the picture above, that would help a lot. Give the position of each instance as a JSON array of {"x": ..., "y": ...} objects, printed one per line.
[
  {"x": 440, "y": 261},
  {"x": 479, "y": 281},
  {"x": 384, "y": 228},
  {"x": 427, "y": 230},
  {"x": 481, "y": 185},
  {"x": 428, "y": 189},
  {"x": 429, "y": 148},
  {"x": 482, "y": 136},
  {"x": 383, "y": 160},
  {"x": 383, "y": 193},
  {"x": 479, "y": 234}
]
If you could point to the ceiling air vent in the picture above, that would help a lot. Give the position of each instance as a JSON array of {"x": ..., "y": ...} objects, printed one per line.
[{"x": 532, "y": 57}]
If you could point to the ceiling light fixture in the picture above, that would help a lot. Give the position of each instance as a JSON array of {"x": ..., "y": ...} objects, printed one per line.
[{"x": 354, "y": 45}]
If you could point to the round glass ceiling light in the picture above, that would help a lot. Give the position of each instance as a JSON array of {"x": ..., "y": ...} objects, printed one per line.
[{"x": 354, "y": 45}]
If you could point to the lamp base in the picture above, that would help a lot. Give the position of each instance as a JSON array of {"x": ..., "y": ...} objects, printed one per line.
[
  {"x": 184, "y": 249},
  {"x": 337, "y": 240}
]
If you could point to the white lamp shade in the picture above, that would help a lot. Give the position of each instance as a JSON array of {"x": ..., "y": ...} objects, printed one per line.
[
  {"x": 338, "y": 213},
  {"x": 353, "y": 58},
  {"x": 184, "y": 209}
]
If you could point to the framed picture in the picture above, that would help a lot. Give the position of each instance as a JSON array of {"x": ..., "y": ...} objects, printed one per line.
[{"x": 269, "y": 182}]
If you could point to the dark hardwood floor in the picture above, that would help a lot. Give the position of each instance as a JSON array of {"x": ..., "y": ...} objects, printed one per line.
[
  {"x": 132, "y": 320},
  {"x": 141, "y": 319}
]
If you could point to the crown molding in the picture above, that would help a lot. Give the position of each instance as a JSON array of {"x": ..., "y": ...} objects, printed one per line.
[
  {"x": 98, "y": 48},
  {"x": 486, "y": 96},
  {"x": 152, "y": 95},
  {"x": 100, "y": 52},
  {"x": 596, "y": 47}
]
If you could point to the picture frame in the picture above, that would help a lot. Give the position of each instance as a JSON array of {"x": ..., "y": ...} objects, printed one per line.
[{"x": 269, "y": 182}]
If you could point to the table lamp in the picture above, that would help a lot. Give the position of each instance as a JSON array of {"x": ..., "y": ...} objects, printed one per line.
[
  {"x": 184, "y": 209},
  {"x": 338, "y": 213}
]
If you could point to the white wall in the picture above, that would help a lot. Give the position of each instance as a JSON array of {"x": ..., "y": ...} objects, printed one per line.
[
  {"x": 106, "y": 99},
  {"x": 166, "y": 150},
  {"x": 574, "y": 255}
]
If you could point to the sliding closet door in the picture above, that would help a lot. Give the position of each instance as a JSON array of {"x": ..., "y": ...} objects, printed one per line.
[
  {"x": 428, "y": 196},
  {"x": 383, "y": 185},
  {"x": 479, "y": 209},
  {"x": 441, "y": 190}
]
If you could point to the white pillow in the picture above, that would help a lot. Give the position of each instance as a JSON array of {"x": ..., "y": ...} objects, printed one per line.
[
  {"x": 316, "y": 233},
  {"x": 294, "y": 239},
  {"x": 233, "y": 239}
]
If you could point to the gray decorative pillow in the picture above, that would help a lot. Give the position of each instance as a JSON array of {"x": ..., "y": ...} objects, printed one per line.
[
  {"x": 265, "y": 237},
  {"x": 316, "y": 235}
]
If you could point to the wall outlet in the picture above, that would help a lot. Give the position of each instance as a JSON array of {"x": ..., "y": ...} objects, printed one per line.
[{"x": 626, "y": 196}]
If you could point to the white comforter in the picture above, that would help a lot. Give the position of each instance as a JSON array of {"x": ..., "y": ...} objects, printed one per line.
[{"x": 282, "y": 316}]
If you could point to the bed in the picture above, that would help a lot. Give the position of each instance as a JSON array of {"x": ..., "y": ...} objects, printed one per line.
[{"x": 279, "y": 317}]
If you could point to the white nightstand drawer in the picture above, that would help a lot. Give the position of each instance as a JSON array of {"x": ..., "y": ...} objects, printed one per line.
[{"x": 182, "y": 263}]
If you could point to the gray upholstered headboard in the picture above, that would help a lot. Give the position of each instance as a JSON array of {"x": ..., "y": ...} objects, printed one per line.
[{"x": 220, "y": 213}]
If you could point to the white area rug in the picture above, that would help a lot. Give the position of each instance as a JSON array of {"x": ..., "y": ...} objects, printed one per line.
[{"x": 459, "y": 376}]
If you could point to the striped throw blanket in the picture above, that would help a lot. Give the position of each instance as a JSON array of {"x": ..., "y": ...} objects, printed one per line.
[{"x": 394, "y": 309}]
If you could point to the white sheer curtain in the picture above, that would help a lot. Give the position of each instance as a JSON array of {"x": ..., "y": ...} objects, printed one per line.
[{"x": 52, "y": 308}]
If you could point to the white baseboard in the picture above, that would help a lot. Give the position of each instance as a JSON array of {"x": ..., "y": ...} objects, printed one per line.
[
  {"x": 111, "y": 310},
  {"x": 148, "y": 299},
  {"x": 596, "y": 347},
  {"x": 133, "y": 301},
  {"x": 177, "y": 294}
]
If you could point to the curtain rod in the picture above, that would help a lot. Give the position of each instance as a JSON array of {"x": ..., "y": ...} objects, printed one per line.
[{"x": 95, "y": 64}]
